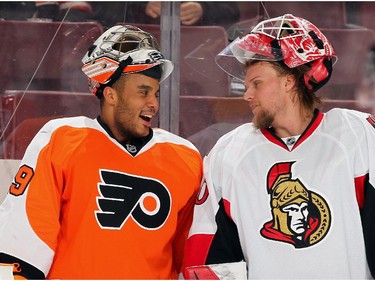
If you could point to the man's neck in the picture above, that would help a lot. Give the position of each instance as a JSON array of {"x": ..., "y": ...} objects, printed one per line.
[{"x": 293, "y": 124}]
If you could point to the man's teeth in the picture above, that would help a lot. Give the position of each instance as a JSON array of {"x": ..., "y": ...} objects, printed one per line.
[{"x": 146, "y": 117}]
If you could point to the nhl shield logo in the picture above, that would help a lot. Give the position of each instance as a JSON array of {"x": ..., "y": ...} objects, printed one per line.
[{"x": 300, "y": 217}]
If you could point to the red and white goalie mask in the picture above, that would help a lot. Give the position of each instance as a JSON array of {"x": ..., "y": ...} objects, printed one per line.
[{"x": 287, "y": 38}]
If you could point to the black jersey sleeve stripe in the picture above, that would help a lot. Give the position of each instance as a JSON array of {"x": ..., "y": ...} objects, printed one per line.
[
  {"x": 21, "y": 267},
  {"x": 226, "y": 245},
  {"x": 368, "y": 223}
]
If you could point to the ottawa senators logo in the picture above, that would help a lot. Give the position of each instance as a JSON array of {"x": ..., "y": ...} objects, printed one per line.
[{"x": 299, "y": 216}]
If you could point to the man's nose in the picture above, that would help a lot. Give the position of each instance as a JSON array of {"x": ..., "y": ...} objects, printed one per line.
[{"x": 248, "y": 95}]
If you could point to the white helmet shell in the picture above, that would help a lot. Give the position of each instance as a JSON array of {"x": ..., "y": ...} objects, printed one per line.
[{"x": 115, "y": 46}]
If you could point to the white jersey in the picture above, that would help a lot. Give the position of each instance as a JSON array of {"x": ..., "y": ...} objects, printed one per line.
[{"x": 303, "y": 212}]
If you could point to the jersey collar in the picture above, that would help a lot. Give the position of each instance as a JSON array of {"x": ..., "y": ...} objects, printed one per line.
[
  {"x": 135, "y": 145},
  {"x": 271, "y": 136}
]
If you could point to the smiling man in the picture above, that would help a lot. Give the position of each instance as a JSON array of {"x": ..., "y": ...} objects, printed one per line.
[{"x": 105, "y": 198}]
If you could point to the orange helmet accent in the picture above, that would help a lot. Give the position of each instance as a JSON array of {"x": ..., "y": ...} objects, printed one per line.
[{"x": 114, "y": 46}]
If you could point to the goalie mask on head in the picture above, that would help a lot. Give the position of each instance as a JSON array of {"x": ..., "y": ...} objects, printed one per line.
[
  {"x": 288, "y": 39},
  {"x": 123, "y": 49}
]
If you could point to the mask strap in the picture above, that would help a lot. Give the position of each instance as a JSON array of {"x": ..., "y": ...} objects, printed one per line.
[{"x": 114, "y": 77}]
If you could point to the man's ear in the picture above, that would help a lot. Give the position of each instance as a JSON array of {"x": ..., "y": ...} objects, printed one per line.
[
  {"x": 290, "y": 82},
  {"x": 110, "y": 95}
]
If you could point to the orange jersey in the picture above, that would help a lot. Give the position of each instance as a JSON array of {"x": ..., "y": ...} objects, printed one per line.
[{"x": 82, "y": 207}]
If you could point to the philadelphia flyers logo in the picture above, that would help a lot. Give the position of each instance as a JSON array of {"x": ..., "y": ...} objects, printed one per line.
[{"x": 123, "y": 196}]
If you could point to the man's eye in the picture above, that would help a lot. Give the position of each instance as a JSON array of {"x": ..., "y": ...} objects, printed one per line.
[{"x": 256, "y": 84}]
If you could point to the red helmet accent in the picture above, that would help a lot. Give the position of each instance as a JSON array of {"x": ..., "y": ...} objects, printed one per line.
[{"x": 292, "y": 40}]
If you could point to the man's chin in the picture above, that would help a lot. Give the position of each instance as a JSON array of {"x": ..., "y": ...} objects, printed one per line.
[{"x": 262, "y": 120}]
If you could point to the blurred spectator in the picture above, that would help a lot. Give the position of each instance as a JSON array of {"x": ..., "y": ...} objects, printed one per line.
[
  {"x": 112, "y": 12},
  {"x": 200, "y": 13},
  {"x": 192, "y": 13},
  {"x": 16, "y": 10},
  {"x": 147, "y": 12},
  {"x": 63, "y": 10}
]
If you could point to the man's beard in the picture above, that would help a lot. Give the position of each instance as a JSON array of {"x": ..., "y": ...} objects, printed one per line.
[{"x": 263, "y": 120}]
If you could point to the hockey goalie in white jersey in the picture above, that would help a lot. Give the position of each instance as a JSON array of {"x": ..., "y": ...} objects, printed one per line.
[{"x": 292, "y": 193}]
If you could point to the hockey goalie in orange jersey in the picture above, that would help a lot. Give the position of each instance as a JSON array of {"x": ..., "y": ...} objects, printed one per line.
[{"x": 110, "y": 197}]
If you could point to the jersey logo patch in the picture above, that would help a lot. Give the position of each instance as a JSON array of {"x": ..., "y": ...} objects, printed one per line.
[
  {"x": 202, "y": 194},
  {"x": 371, "y": 120},
  {"x": 147, "y": 201},
  {"x": 300, "y": 217}
]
